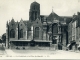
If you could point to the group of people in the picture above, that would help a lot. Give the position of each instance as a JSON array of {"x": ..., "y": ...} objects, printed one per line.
[{"x": 73, "y": 47}]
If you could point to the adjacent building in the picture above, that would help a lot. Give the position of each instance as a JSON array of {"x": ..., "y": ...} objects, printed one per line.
[
  {"x": 78, "y": 30},
  {"x": 74, "y": 31},
  {"x": 70, "y": 32}
]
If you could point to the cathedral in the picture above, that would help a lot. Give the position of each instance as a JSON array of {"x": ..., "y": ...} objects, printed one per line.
[{"x": 39, "y": 30}]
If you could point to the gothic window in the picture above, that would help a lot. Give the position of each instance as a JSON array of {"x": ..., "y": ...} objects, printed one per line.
[
  {"x": 12, "y": 33},
  {"x": 35, "y": 15},
  {"x": 37, "y": 32},
  {"x": 55, "y": 29},
  {"x": 12, "y": 25},
  {"x": 21, "y": 33}
]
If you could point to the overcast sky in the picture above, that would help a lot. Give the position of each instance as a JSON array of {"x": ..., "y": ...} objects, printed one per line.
[{"x": 20, "y": 9}]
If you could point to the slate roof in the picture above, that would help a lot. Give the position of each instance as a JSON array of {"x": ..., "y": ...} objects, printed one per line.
[
  {"x": 52, "y": 16},
  {"x": 67, "y": 19}
]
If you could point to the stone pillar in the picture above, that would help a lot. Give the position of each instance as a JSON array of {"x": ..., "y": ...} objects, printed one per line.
[
  {"x": 26, "y": 34},
  {"x": 32, "y": 32},
  {"x": 47, "y": 37},
  {"x": 44, "y": 35},
  {"x": 7, "y": 38},
  {"x": 16, "y": 33}
]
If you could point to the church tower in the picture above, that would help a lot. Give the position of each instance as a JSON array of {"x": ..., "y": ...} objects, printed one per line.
[{"x": 34, "y": 12}]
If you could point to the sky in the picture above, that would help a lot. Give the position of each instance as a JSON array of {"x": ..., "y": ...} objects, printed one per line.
[{"x": 18, "y": 9}]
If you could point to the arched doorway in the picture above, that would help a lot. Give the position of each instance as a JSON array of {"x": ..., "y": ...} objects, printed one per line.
[{"x": 12, "y": 33}]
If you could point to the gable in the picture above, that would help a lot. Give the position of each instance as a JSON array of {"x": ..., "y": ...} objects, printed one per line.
[
  {"x": 22, "y": 25},
  {"x": 12, "y": 24},
  {"x": 37, "y": 22},
  {"x": 52, "y": 16}
]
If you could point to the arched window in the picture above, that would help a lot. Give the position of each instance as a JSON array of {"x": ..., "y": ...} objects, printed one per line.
[
  {"x": 21, "y": 33},
  {"x": 55, "y": 29},
  {"x": 37, "y": 32},
  {"x": 35, "y": 15},
  {"x": 12, "y": 33}
]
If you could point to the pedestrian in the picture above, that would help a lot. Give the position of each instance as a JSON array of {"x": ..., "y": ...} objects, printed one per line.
[
  {"x": 79, "y": 47},
  {"x": 68, "y": 46}
]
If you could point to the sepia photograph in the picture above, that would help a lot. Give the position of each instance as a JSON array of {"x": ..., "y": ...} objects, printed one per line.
[{"x": 39, "y": 29}]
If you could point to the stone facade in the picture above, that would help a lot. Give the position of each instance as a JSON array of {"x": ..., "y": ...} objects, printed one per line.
[
  {"x": 74, "y": 28},
  {"x": 40, "y": 30},
  {"x": 70, "y": 32}
]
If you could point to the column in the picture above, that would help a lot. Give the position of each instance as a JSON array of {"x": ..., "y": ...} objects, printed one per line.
[
  {"x": 7, "y": 38},
  {"x": 16, "y": 33},
  {"x": 48, "y": 37},
  {"x": 32, "y": 32},
  {"x": 44, "y": 35},
  {"x": 26, "y": 34}
]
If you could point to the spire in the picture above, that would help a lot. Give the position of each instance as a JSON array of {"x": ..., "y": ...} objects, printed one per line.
[
  {"x": 74, "y": 14},
  {"x": 7, "y": 24},
  {"x": 21, "y": 19},
  {"x": 52, "y": 9},
  {"x": 12, "y": 17},
  {"x": 17, "y": 21},
  {"x": 9, "y": 21}
]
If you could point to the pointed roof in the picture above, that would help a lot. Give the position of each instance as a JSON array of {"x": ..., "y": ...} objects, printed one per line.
[
  {"x": 7, "y": 24},
  {"x": 12, "y": 21},
  {"x": 52, "y": 16}
]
